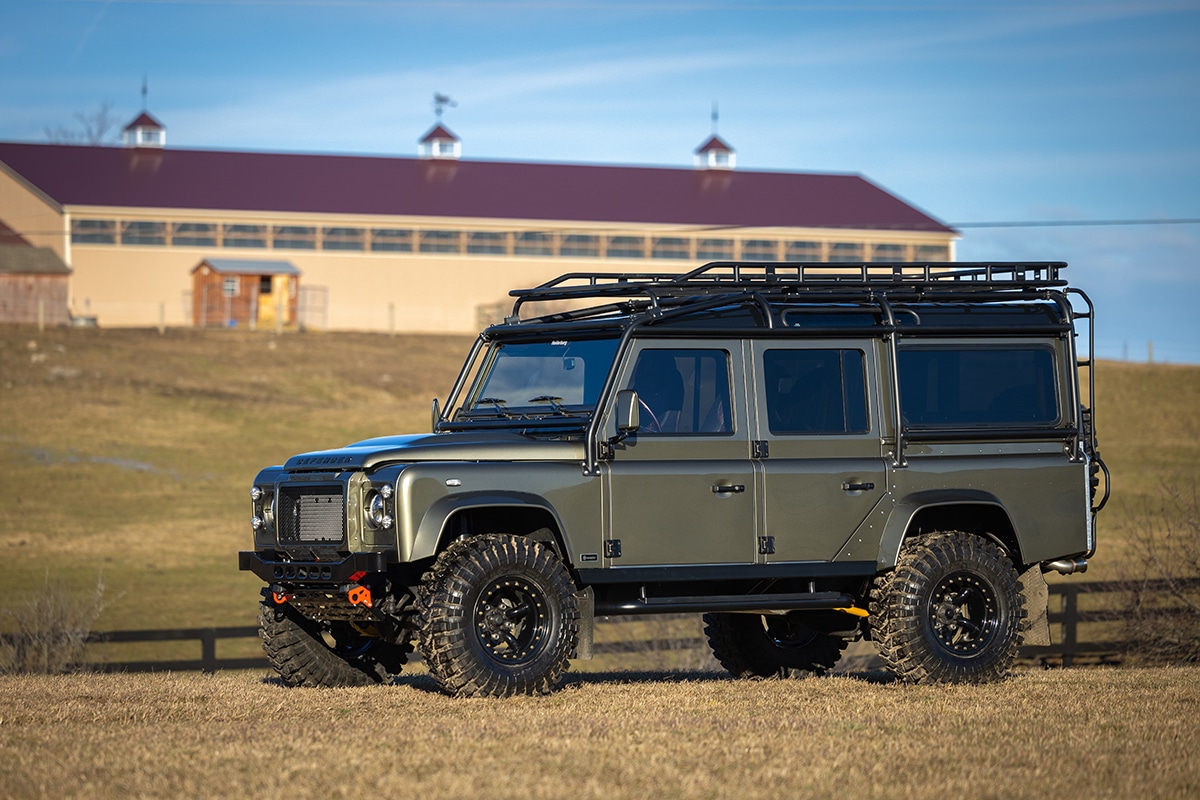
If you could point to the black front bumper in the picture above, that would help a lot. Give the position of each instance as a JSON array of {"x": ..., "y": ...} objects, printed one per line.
[{"x": 311, "y": 572}]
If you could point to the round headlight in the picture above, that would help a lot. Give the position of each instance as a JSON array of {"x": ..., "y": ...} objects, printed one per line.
[
  {"x": 377, "y": 511},
  {"x": 268, "y": 510},
  {"x": 256, "y": 493}
]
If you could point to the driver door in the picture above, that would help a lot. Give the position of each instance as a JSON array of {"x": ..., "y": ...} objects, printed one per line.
[{"x": 682, "y": 489}]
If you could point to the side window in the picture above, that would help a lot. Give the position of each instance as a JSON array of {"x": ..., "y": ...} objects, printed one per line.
[
  {"x": 963, "y": 387},
  {"x": 815, "y": 391},
  {"x": 683, "y": 391}
]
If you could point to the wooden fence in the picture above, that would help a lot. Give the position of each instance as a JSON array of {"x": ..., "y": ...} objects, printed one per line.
[{"x": 1067, "y": 620}]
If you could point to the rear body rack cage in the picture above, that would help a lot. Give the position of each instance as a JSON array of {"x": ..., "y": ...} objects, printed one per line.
[{"x": 799, "y": 278}]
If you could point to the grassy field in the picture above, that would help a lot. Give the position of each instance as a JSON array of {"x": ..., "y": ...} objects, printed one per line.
[
  {"x": 126, "y": 455},
  {"x": 1127, "y": 733}
]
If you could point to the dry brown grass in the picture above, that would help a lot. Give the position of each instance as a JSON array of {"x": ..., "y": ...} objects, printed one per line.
[
  {"x": 1088, "y": 733},
  {"x": 127, "y": 455}
]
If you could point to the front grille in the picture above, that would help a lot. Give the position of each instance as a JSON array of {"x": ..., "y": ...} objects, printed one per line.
[{"x": 311, "y": 515}]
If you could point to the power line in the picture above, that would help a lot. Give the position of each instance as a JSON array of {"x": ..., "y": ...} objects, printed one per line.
[{"x": 1073, "y": 223}]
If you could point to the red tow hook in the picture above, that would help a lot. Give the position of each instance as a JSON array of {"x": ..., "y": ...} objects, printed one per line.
[
  {"x": 360, "y": 596},
  {"x": 280, "y": 597}
]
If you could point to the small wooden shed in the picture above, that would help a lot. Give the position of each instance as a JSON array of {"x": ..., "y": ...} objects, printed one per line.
[
  {"x": 229, "y": 292},
  {"x": 34, "y": 285}
]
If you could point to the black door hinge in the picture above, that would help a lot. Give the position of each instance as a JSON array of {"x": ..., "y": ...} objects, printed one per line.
[
  {"x": 612, "y": 548},
  {"x": 760, "y": 449},
  {"x": 766, "y": 545}
]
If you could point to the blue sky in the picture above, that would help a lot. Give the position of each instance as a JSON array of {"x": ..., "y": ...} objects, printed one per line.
[{"x": 974, "y": 111}]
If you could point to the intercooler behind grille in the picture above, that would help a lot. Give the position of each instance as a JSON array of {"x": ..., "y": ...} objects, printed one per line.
[{"x": 311, "y": 515}]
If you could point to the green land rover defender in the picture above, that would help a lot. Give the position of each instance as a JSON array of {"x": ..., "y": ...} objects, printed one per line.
[{"x": 806, "y": 453}]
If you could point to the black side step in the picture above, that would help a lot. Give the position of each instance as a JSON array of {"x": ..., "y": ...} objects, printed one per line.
[{"x": 732, "y": 602}]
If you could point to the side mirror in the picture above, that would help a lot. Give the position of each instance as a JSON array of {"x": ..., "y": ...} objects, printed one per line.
[
  {"x": 435, "y": 416},
  {"x": 628, "y": 412}
]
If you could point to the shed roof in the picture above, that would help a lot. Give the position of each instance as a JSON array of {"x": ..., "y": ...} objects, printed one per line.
[
  {"x": 73, "y": 175},
  {"x": 18, "y": 259},
  {"x": 237, "y": 266},
  {"x": 9, "y": 236}
]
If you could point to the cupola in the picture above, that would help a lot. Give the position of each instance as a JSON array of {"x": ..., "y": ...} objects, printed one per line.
[
  {"x": 715, "y": 154},
  {"x": 145, "y": 131},
  {"x": 441, "y": 143}
]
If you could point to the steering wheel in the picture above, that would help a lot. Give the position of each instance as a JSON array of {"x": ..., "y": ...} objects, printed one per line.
[{"x": 655, "y": 426}]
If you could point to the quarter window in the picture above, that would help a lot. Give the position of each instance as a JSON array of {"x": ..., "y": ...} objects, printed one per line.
[{"x": 977, "y": 387}]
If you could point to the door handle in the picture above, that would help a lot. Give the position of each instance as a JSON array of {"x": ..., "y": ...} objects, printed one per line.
[
  {"x": 736, "y": 488},
  {"x": 857, "y": 487}
]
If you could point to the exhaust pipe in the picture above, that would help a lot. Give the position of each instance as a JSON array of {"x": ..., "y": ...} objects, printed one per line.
[{"x": 1066, "y": 566}]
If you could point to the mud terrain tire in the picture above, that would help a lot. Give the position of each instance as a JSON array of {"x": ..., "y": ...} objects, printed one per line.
[
  {"x": 950, "y": 612},
  {"x": 754, "y": 646},
  {"x": 297, "y": 648},
  {"x": 498, "y": 617}
]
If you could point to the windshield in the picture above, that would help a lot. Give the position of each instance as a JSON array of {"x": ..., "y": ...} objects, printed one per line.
[{"x": 538, "y": 380}]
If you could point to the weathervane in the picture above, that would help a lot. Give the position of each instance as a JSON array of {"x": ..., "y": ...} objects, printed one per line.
[{"x": 440, "y": 102}]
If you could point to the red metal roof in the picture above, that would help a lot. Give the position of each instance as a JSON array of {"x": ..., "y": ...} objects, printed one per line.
[
  {"x": 145, "y": 121},
  {"x": 334, "y": 184},
  {"x": 714, "y": 143},
  {"x": 438, "y": 132}
]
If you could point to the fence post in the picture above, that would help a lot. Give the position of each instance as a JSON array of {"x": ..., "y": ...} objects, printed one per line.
[
  {"x": 208, "y": 650},
  {"x": 1070, "y": 628}
]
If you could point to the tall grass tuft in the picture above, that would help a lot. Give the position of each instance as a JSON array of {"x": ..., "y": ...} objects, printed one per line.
[
  {"x": 48, "y": 633},
  {"x": 1162, "y": 578}
]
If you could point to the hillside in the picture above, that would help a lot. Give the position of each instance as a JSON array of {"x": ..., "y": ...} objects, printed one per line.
[{"x": 126, "y": 455}]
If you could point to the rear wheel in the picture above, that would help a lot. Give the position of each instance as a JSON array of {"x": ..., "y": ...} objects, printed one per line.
[
  {"x": 498, "y": 617},
  {"x": 308, "y": 653},
  {"x": 771, "y": 646},
  {"x": 950, "y": 612}
]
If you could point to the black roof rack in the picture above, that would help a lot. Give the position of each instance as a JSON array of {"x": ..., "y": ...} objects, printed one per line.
[{"x": 798, "y": 278}]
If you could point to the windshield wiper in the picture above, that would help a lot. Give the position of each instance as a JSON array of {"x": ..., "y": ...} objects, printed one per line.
[
  {"x": 556, "y": 404},
  {"x": 499, "y": 404}
]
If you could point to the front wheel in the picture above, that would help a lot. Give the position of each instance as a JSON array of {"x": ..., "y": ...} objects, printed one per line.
[
  {"x": 498, "y": 617},
  {"x": 950, "y": 612},
  {"x": 332, "y": 654}
]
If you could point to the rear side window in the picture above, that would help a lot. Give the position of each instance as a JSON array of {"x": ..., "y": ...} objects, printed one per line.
[
  {"x": 815, "y": 391},
  {"x": 957, "y": 387}
]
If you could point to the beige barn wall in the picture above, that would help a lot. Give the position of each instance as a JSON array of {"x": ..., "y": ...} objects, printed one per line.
[
  {"x": 126, "y": 286},
  {"x": 32, "y": 215},
  {"x": 131, "y": 285}
]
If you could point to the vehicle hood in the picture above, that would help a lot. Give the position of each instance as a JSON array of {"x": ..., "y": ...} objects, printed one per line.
[{"x": 465, "y": 446}]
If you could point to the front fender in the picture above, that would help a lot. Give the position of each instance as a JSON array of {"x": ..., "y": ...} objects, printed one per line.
[{"x": 433, "y": 526}]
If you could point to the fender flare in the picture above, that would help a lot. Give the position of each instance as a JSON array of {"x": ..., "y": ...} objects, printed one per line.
[
  {"x": 431, "y": 530},
  {"x": 906, "y": 509}
]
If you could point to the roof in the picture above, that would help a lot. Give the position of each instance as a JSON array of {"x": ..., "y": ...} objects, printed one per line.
[
  {"x": 18, "y": 259},
  {"x": 73, "y": 175},
  {"x": 438, "y": 132},
  {"x": 236, "y": 266},
  {"x": 714, "y": 143},
  {"x": 144, "y": 120}
]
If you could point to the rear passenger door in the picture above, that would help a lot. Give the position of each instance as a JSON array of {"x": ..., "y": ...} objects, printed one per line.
[{"x": 818, "y": 444}]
